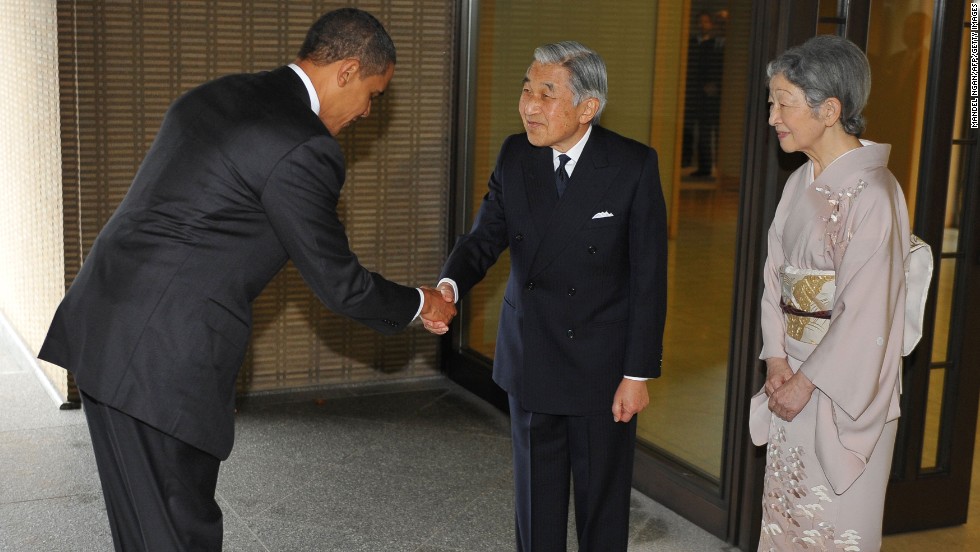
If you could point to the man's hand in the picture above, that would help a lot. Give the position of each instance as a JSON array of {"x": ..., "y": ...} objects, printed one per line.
[
  {"x": 777, "y": 372},
  {"x": 447, "y": 292},
  {"x": 791, "y": 397},
  {"x": 437, "y": 312},
  {"x": 631, "y": 397}
]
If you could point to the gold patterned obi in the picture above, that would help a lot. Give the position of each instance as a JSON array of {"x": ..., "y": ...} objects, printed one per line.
[{"x": 807, "y": 300}]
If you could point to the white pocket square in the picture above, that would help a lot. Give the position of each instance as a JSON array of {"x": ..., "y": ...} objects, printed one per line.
[{"x": 602, "y": 214}]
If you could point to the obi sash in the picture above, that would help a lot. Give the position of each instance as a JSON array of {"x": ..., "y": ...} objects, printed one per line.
[
  {"x": 807, "y": 300},
  {"x": 808, "y": 297}
]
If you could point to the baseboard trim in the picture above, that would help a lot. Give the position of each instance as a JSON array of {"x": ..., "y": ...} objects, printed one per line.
[{"x": 9, "y": 335}]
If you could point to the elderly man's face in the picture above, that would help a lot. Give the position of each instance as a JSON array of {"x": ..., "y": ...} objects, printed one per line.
[{"x": 548, "y": 111}]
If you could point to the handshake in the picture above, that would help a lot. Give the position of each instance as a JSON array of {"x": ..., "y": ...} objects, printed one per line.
[{"x": 438, "y": 308}]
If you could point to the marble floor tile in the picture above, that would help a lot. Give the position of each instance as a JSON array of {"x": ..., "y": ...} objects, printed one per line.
[{"x": 420, "y": 468}]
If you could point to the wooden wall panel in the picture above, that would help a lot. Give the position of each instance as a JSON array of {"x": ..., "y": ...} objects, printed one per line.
[{"x": 123, "y": 63}]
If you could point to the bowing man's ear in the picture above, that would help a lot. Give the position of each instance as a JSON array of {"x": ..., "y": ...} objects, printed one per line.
[{"x": 347, "y": 70}]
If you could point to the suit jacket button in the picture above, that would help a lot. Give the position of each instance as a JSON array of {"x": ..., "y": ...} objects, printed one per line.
[
  {"x": 571, "y": 291},
  {"x": 592, "y": 249},
  {"x": 530, "y": 286},
  {"x": 519, "y": 237},
  {"x": 570, "y": 334}
]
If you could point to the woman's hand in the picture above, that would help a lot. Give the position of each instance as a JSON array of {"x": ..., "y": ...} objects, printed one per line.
[
  {"x": 777, "y": 373},
  {"x": 791, "y": 397}
]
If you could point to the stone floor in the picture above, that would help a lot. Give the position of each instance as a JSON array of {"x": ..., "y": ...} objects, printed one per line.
[{"x": 422, "y": 467}]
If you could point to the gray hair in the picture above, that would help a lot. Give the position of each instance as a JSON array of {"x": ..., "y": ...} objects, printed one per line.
[
  {"x": 587, "y": 71},
  {"x": 828, "y": 66}
]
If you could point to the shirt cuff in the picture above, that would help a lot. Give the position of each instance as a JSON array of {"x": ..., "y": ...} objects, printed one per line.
[
  {"x": 421, "y": 304},
  {"x": 634, "y": 378},
  {"x": 452, "y": 283}
]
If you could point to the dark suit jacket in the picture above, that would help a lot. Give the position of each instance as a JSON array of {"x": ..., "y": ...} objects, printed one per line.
[
  {"x": 241, "y": 177},
  {"x": 586, "y": 299},
  {"x": 705, "y": 63}
]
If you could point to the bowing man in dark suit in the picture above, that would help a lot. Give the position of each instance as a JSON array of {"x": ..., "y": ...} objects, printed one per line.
[
  {"x": 582, "y": 321},
  {"x": 244, "y": 174}
]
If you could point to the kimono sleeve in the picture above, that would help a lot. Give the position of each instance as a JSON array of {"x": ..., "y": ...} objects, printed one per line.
[
  {"x": 848, "y": 363},
  {"x": 772, "y": 319}
]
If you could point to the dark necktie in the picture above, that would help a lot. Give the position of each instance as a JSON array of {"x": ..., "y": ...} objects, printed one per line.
[{"x": 561, "y": 177}]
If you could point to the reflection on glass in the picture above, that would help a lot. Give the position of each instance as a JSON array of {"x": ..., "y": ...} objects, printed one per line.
[
  {"x": 702, "y": 98},
  {"x": 898, "y": 50},
  {"x": 944, "y": 307},
  {"x": 934, "y": 408},
  {"x": 686, "y": 415},
  {"x": 830, "y": 20}
]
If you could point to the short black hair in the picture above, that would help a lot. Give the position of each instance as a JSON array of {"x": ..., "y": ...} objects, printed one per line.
[{"x": 349, "y": 33}]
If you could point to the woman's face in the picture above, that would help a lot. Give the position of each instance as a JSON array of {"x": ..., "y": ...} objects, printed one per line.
[{"x": 797, "y": 128}]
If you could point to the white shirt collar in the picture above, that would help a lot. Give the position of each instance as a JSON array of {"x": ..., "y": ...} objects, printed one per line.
[
  {"x": 573, "y": 153},
  {"x": 314, "y": 100}
]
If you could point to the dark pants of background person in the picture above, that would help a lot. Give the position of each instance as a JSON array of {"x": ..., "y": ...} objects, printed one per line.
[
  {"x": 598, "y": 454},
  {"x": 159, "y": 491},
  {"x": 701, "y": 133}
]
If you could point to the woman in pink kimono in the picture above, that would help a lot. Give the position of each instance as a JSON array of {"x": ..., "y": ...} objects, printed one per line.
[{"x": 833, "y": 311}]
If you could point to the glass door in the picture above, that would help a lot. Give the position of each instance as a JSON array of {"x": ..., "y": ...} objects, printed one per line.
[
  {"x": 685, "y": 419},
  {"x": 930, "y": 482}
]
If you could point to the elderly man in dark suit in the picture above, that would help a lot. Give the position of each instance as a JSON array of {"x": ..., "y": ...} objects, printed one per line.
[
  {"x": 581, "y": 326},
  {"x": 244, "y": 174}
]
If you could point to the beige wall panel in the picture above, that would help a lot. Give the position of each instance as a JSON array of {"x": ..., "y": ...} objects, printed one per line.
[{"x": 31, "y": 250}]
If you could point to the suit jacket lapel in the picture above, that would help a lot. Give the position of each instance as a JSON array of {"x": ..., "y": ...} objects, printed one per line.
[
  {"x": 590, "y": 180},
  {"x": 539, "y": 184}
]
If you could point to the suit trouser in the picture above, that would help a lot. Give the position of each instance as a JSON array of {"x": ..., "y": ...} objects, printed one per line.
[
  {"x": 598, "y": 455},
  {"x": 159, "y": 491}
]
